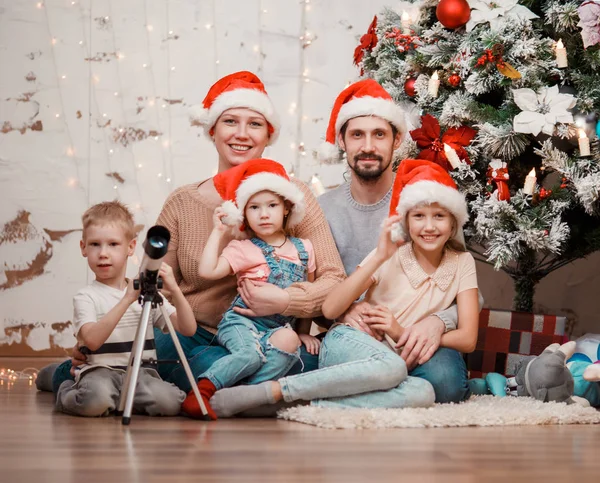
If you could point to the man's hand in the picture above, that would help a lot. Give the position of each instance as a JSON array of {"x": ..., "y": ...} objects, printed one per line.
[
  {"x": 420, "y": 341},
  {"x": 262, "y": 299},
  {"x": 77, "y": 359},
  {"x": 354, "y": 317}
]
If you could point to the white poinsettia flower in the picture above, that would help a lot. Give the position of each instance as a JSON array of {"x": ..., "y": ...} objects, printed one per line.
[
  {"x": 496, "y": 12},
  {"x": 542, "y": 110}
]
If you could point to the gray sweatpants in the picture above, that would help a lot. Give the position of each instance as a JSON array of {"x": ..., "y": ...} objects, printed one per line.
[{"x": 98, "y": 391}]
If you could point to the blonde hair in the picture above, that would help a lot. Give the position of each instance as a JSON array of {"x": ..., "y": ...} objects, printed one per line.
[{"x": 109, "y": 212}]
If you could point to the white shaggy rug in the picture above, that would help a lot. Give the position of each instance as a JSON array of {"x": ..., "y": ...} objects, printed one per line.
[{"x": 477, "y": 411}]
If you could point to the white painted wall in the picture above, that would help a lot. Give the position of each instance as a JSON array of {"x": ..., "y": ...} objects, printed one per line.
[{"x": 153, "y": 60}]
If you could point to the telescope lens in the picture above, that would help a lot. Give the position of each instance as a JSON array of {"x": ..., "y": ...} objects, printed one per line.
[{"x": 157, "y": 242}]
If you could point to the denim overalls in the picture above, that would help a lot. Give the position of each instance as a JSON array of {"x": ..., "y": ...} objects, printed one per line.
[{"x": 247, "y": 339}]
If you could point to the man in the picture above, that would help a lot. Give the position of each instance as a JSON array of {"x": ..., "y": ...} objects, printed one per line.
[{"x": 368, "y": 126}]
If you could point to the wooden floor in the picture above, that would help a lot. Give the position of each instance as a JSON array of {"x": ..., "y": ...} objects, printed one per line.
[{"x": 38, "y": 445}]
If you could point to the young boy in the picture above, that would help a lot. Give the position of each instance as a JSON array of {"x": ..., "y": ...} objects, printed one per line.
[{"x": 106, "y": 316}]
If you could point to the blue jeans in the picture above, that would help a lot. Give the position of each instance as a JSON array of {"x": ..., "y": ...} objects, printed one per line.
[
  {"x": 201, "y": 351},
  {"x": 357, "y": 371},
  {"x": 252, "y": 357},
  {"x": 447, "y": 373}
]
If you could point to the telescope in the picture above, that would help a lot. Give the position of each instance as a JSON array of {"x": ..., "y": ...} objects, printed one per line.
[
  {"x": 155, "y": 246},
  {"x": 149, "y": 283}
]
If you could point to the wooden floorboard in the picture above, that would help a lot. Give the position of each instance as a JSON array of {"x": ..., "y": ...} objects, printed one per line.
[{"x": 38, "y": 445}]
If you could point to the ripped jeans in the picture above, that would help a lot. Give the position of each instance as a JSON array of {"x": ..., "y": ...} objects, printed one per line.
[{"x": 252, "y": 359}]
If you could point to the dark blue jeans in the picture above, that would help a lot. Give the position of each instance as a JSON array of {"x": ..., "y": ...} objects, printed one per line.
[
  {"x": 201, "y": 350},
  {"x": 447, "y": 373}
]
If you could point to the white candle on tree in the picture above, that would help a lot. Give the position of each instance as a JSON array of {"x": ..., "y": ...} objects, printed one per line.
[
  {"x": 584, "y": 144},
  {"x": 561, "y": 55},
  {"x": 434, "y": 84},
  {"x": 405, "y": 21},
  {"x": 316, "y": 185},
  {"x": 452, "y": 157},
  {"x": 530, "y": 181}
]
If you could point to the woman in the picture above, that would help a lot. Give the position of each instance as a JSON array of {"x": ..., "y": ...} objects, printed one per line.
[{"x": 240, "y": 119}]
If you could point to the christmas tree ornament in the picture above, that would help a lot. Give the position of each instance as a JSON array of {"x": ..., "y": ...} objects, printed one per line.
[
  {"x": 434, "y": 84},
  {"x": 453, "y": 14},
  {"x": 409, "y": 87},
  {"x": 454, "y": 80},
  {"x": 497, "y": 173},
  {"x": 589, "y": 22},
  {"x": 541, "y": 110},
  {"x": 367, "y": 43},
  {"x": 561, "y": 55},
  {"x": 432, "y": 144},
  {"x": 584, "y": 144},
  {"x": 530, "y": 180},
  {"x": 497, "y": 13}
]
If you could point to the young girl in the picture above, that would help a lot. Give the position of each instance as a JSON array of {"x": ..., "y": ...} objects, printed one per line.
[
  {"x": 423, "y": 275},
  {"x": 261, "y": 200},
  {"x": 419, "y": 267}
]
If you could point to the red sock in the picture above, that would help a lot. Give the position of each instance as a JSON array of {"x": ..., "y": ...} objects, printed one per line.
[{"x": 191, "y": 406}]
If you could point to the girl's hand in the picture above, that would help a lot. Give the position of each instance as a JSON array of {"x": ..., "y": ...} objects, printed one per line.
[
  {"x": 386, "y": 247},
  {"x": 380, "y": 318},
  {"x": 311, "y": 343},
  {"x": 169, "y": 283},
  {"x": 218, "y": 224}
]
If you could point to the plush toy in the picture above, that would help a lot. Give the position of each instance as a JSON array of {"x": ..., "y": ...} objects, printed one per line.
[
  {"x": 493, "y": 383},
  {"x": 547, "y": 378},
  {"x": 585, "y": 368}
]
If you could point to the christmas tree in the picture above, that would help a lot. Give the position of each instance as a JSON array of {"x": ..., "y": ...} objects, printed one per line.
[{"x": 504, "y": 94}]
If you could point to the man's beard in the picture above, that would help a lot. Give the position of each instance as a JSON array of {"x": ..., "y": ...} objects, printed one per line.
[{"x": 372, "y": 174}]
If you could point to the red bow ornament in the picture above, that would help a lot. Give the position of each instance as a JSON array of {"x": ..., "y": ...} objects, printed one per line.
[
  {"x": 367, "y": 42},
  {"x": 428, "y": 139}
]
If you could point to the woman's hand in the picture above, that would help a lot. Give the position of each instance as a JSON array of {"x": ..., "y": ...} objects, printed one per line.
[
  {"x": 262, "y": 299},
  {"x": 385, "y": 246},
  {"x": 311, "y": 343},
  {"x": 381, "y": 319}
]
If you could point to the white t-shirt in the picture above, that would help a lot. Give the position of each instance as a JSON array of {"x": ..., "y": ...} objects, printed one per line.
[{"x": 94, "y": 302}]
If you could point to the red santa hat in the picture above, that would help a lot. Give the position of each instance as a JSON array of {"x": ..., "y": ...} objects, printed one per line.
[
  {"x": 240, "y": 89},
  {"x": 363, "y": 98},
  {"x": 238, "y": 184},
  {"x": 419, "y": 182}
]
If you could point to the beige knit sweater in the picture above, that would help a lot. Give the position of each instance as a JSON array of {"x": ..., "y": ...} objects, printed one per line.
[{"x": 188, "y": 216}]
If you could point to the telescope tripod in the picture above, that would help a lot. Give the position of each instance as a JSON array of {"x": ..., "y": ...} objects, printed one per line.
[{"x": 150, "y": 298}]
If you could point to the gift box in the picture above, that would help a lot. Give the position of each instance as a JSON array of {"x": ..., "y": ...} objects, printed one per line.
[{"x": 506, "y": 337}]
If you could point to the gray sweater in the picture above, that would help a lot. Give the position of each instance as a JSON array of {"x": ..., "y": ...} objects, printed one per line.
[{"x": 356, "y": 229}]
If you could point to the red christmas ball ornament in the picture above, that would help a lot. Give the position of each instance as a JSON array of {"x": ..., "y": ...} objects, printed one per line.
[
  {"x": 453, "y": 13},
  {"x": 409, "y": 87},
  {"x": 454, "y": 80}
]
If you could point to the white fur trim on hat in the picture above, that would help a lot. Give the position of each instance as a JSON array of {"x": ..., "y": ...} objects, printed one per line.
[
  {"x": 249, "y": 98},
  {"x": 272, "y": 182},
  {"x": 233, "y": 215},
  {"x": 371, "y": 106},
  {"x": 427, "y": 193},
  {"x": 328, "y": 153}
]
